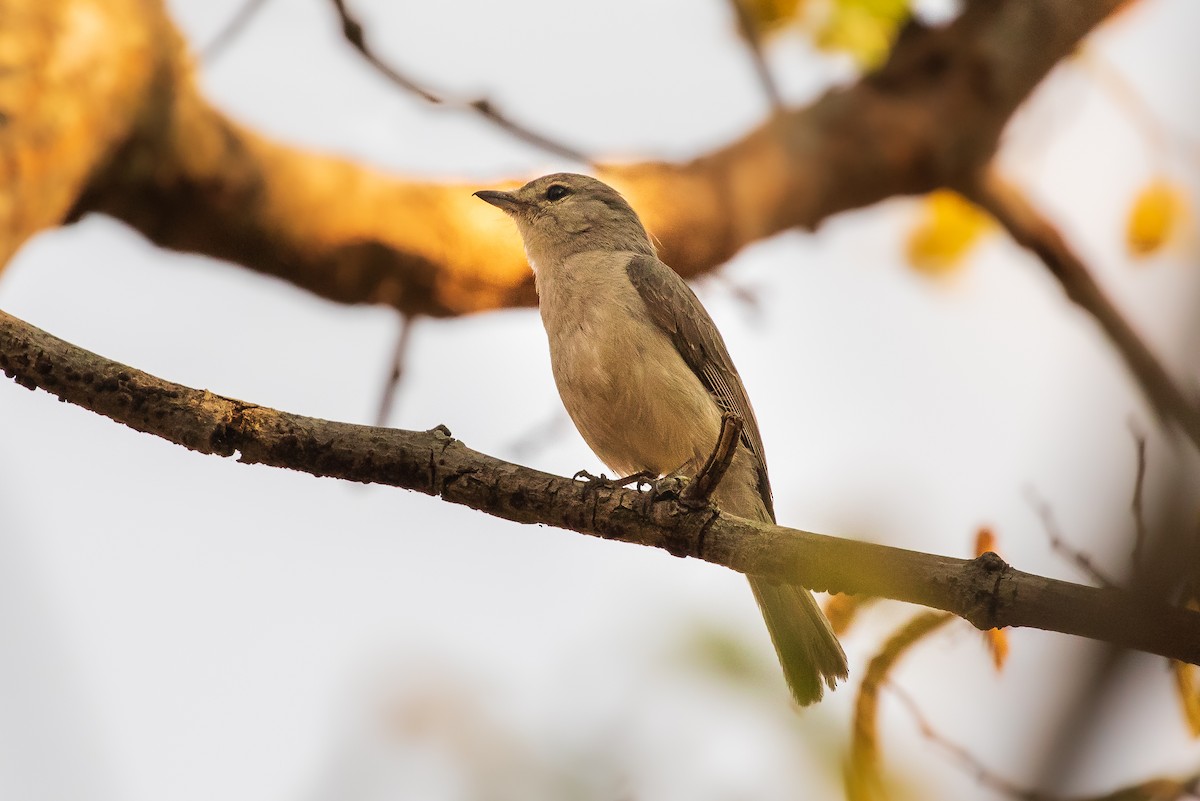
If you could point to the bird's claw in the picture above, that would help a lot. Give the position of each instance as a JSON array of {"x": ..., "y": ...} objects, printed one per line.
[
  {"x": 668, "y": 488},
  {"x": 637, "y": 480}
]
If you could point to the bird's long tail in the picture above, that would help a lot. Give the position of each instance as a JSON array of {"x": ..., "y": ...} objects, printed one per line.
[{"x": 808, "y": 649}]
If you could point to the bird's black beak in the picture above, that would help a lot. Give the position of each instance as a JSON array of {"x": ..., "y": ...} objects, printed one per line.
[{"x": 505, "y": 201}]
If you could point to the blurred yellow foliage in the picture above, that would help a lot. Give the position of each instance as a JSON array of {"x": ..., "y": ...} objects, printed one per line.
[
  {"x": 863, "y": 777},
  {"x": 1185, "y": 685},
  {"x": 841, "y": 610},
  {"x": 1156, "y": 214},
  {"x": 770, "y": 15},
  {"x": 1189, "y": 697},
  {"x": 865, "y": 29},
  {"x": 949, "y": 227}
]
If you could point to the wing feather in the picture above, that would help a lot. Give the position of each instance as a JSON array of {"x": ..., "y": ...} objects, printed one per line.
[{"x": 676, "y": 310}]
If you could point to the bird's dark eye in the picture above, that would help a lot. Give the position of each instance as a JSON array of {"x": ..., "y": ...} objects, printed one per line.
[{"x": 556, "y": 192}]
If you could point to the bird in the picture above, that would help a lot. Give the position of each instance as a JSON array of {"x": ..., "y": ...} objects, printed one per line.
[{"x": 646, "y": 377}]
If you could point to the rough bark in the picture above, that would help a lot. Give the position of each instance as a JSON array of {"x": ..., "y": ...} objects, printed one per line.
[{"x": 985, "y": 591}]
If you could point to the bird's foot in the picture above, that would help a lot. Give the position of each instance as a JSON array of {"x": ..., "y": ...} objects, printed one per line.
[
  {"x": 670, "y": 487},
  {"x": 604, "y": 482}
]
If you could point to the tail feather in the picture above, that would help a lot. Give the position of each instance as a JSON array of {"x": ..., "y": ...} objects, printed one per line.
[{"x": 808, "y": 649}]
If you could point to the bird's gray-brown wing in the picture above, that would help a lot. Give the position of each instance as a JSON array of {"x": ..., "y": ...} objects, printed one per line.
[{"x": 674, "y": 308}]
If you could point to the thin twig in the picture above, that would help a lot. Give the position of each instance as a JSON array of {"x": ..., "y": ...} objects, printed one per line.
[
  {"x": 965, "y": 758},
  {"x": 1126, "y": 98},
  {"x": 396, "y": 371},
  {"x": 753, "y": 37},
  {"x": 353, "y": 32},
  {"x": 701, "y": 488},
  {"x": 749, "y": 298},
  {"x": 1059, "y": 543},
  {"x": 1029, "y": 228},
  {"x": 1162, "y": 789},
  {"x": 231, "y": 31},
  {"x": 1139, "y": 515}
]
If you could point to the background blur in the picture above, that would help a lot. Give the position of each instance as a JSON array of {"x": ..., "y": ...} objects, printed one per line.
[{"x": 185, "y": 627}]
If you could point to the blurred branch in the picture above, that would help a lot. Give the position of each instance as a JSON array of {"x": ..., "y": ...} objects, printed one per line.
[
  {"x": 1030, "y": 229},
  {"x": 985, "y": 591},
  {"x": 1059, "y": 543},
  {"x": 864, "y": 777},
  {"x": 753, "y": 37},
  {"x": 1135, "y": 505},
  {"x": 231, "y": 31},
  {"x": 189, "y": 178},
  {"x": 965, "y": 758},
  {"x": 396, "y": 370},
  {"x": 1165, "y": 789},
  {"x": 539, "y": 435},
  {"x": 353, "y": 32},
  {"x": 1128, "y": 99}
]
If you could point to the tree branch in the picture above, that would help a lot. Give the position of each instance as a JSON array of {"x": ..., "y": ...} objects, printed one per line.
[
  {"x": 985, "y": 591},
  {"x": 352, "y": 31},
  {"x": 231, "y": 30},
  {"x": 1030, "y": 229},
  {"x": 753, "y": 36},
  {"x": 191, "y": 179}
]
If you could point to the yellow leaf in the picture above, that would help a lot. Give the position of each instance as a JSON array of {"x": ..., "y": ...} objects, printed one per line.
[
  {"x": 841, "y": 610},
  {"x": 865, "y": 29},
  {"x": 996, "y": 639},
  {"x": 1189, "y": 697},
  {"x": 985, "y": 541},
  {"x": 770, "y": 15},
  {"x": 1185, "y": 685},
  {"x": 1155, "y": 215},
  {"x": 949, "y": 227}
]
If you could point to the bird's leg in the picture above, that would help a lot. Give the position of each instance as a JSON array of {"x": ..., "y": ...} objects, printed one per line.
[{"x": 700, "y": 489}]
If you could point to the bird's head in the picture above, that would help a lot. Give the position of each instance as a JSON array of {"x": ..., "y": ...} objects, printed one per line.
[{"x": 563, "y": 214}]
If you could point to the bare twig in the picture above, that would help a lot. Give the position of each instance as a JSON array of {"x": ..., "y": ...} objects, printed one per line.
[
  {"x": 353, "y": 32},
  {"x": 749, "y": 298},
  {"x": 231, "y": 31},
  {"x": 753, "y": 36},
  {"x": 961, "y": 755},
  {"x": 985, "y": 591},
  {"x": 1128, "y": 99},
  {"x": 396, "y": 371},
  {"x": 1029, "y": 228},
  {"x": 1059, "y": 543},
  {"x": 1163, "y": 789},
  {"x": 1136, "y": 507},
  {"x": 701, "y": 488}
]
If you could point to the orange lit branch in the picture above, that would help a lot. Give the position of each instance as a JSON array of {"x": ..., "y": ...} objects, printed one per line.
[
  {"x": 99, "y": 112},
  {"x": 126, "y": 132}
]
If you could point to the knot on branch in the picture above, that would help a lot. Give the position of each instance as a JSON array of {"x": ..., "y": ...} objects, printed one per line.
[
  {"x": 670, "y": 507},
  {"x": 982, "y": 579}
]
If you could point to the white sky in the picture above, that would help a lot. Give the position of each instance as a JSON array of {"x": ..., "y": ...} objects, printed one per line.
[{"x": 180, "y": 626}]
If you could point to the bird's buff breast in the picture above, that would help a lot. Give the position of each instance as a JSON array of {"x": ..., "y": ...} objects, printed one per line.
[{"x": 629, "y": 392}]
